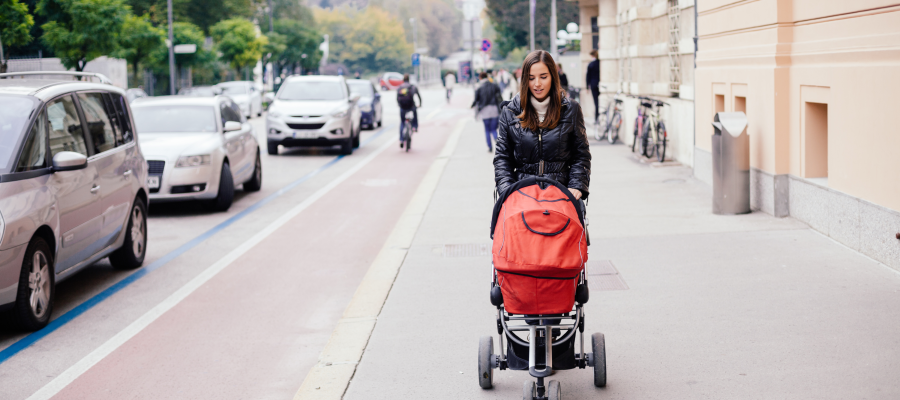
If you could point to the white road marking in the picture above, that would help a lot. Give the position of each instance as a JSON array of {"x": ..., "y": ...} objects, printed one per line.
[{"x": 69, "y": 375}]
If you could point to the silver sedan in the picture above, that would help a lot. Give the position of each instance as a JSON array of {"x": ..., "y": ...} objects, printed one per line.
[{"x": 197, "y": 148}]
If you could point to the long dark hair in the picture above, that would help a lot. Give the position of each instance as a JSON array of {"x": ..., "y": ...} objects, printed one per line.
[{"x": 529, "y": 118}]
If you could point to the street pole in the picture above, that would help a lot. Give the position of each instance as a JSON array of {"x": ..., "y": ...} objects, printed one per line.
[
  {"x": 531, "y": 6},
  {"x": 271, "y": 16},
  {"x": 554, "y": 49},
  {"x": 418, "y": 68},
  {"x": 171, "y": 52},
  {"x": 471, "y": 48}
]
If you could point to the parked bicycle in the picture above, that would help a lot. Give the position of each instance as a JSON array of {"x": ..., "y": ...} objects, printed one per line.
[
  {"x": 653, "y": 135},
  {"x": 610, "y": 120}
]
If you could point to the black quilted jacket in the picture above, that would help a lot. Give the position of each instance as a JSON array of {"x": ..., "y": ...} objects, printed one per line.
[{"x": 561, "y": 153}]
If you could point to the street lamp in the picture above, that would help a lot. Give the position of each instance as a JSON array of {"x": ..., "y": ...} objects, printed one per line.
[{"x": 171, "y": 52}]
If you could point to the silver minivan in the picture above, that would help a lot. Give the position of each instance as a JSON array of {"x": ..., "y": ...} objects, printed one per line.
[{"x": 73, "y": 188}]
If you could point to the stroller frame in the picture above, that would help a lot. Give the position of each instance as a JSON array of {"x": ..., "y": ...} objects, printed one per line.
[{"x": 557, "y": 330}]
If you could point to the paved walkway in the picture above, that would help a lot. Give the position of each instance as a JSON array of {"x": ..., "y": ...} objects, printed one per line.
[{"x": 722, "y": 307}]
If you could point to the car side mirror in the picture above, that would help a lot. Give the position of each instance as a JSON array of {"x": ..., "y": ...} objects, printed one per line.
[
  {"x": 354, "y": 98},
  {"x": 377, "y": 96},
  {"x": 232, "y": 126},
  {"x": 69, "y": 161}
]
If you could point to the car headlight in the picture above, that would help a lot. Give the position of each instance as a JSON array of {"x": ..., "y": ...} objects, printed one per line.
[
  {"x": 274, "y": 114},
  {"x": 366, "y": 107},
  {"x": 340, "y": 114},
  {"x": 192, "y": 161}
]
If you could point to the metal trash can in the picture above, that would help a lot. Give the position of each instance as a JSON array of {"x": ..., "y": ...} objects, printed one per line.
[{"x": 731, "y": 164}]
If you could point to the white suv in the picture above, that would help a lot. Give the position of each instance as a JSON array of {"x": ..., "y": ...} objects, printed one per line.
[
  {"x": 73, "y": 187},
  {"x": 314, "y": 111}
]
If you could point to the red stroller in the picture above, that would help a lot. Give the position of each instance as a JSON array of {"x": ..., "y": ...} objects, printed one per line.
[{"x": 539, "y": 288}]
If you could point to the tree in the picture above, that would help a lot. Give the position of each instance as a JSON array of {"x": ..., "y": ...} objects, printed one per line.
[
  {"x": 439, "y": 23},
  {"x": 238, "y": 42},
  {"x": 510, "y": 18},
  {"x": 139, "y": 40},
  {"x": 203, "y": 13},
  {"x": 15, "y": 27},
  {"x": 82, "y": 30},
  {"x": 370, "y": 40},
  {"x": 299, "y": 39}
]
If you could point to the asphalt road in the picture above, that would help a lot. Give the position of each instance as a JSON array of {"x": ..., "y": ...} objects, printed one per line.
[{"x": 235, "y": 304}]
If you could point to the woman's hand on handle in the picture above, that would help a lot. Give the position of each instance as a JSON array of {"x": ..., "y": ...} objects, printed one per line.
[{"x": 576, "y": 193}]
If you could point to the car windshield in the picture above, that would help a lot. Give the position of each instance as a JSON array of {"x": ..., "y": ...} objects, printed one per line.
[
  {"x": 311, "y": 91},
  {"x": 364, "y": 89},
  {"x": 234, "y": 88},
  {"x": 169, "y": 119},
  {"x": 15, "y": 112}
]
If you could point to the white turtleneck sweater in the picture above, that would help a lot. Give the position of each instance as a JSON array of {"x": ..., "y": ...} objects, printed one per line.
[{"x": 540, "y": 106}]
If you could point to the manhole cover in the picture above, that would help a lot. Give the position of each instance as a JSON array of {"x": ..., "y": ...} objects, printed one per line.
[
  {"x": 467, "y": 250},
  {"x": 602, "y": 275}
]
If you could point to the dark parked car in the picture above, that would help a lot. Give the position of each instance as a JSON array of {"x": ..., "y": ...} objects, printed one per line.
[{"x": 369, "y": 102}]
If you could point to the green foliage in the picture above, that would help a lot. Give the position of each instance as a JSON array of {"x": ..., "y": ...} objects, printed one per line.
[
  {"x": 203, "y": 13},
  {"x": 369, "y": 40},
  {"x": 237, "y": 42},
  {"x": 284, "y": 9},
  {"x": 299, "y": 39},
  {"x": 82, "y": 30},
  {"x": 139, "y": 39},
  {"x": 511, "y": 20},
  {"x": 15, "y": 23}
]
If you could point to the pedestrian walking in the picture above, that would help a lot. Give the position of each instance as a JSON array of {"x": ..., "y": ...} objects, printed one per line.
[
  {"x": 541, "y": 133},
  {"x": 563, "y": 79},
  {"x": 449, "y": 83},
  {"x": 487, "y": 102},
  {"x": 405, "y": 99},
  {"x": 592, "y": 80}
]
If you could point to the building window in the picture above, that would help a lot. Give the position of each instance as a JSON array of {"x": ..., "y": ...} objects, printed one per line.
[
  {"x": 674, "y": 39},
  {"x": 740, "y": 104},
  {"x": 595, "y": 34},
  {"x": 815, "y": 140}
]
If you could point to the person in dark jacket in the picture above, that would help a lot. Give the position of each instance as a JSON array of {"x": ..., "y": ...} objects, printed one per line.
[
  {"x": 592, "y": 79},
  {"x": 487, "y": 107},
  {"x": 541, "y": 133}
]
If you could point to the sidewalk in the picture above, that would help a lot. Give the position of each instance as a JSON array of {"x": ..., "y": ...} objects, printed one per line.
[{"x": 721, "y": 307}]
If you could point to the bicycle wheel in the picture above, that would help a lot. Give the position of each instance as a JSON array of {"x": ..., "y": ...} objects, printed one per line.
[
  {"x": 408, "y": 136},
  {"x": 613, "y": 131},
  {"x": 647, "y": 147},
  {"x": 661, "y": 138},
  {"x": 599, "y": 127},
  {"x": 637, "y": 137}
]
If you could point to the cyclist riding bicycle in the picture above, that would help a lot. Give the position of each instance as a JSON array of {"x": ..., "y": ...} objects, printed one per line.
[{"x": 405, "y": 94}]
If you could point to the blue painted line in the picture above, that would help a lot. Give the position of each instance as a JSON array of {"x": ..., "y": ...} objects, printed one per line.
[{"x": 62, "y": 320}]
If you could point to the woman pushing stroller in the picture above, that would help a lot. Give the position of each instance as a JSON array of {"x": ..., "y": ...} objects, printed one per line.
[{"x": 542, "y": 171}]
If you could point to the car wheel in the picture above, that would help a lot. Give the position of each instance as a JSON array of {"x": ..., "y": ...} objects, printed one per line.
[
  {"x": 255, "y": 183},
  {"x": 356, "y": 137},
  {"x": 225, "y": 196},
  {"x": 347, "y": 146},
  {"x": 273, "y": 149},
  {"x": 37, "y": 287},
  {"x": 131, "y": 254}
]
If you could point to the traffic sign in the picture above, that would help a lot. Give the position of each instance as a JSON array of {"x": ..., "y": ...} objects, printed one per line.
[
  {"x": 415, "y": 59},
  {"x": 485, "y": 45}
]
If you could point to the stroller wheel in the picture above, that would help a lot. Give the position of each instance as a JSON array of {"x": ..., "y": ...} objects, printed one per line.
[
  {"x": 554, "y": 391},
  {"x": 485, "y": 362},
  {"x": 598, "y": 344},
  {"x": 529, "y": 391}
]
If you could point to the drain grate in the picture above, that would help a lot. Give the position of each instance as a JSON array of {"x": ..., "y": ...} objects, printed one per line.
[
  {"x": 603, "y": 275},
  {"x": 467, "y": 250}
]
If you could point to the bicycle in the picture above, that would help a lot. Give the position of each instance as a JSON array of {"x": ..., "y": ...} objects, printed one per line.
[
  {"x": 610, "y": 120},
  {"x": 653, "y": 134},
  {"x": 406, "y": 131}
]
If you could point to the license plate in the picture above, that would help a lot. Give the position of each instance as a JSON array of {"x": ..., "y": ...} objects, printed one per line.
[
  {"x": 308, "y": 135},
  {"x": 153, "y": 182}
]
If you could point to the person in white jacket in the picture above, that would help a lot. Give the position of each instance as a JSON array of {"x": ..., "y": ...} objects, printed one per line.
[{"x": 449, "y": 83}]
